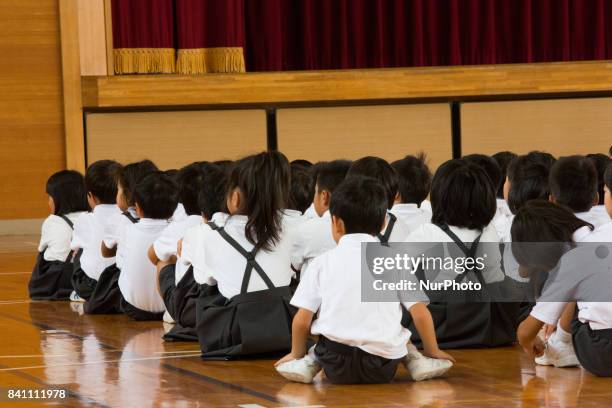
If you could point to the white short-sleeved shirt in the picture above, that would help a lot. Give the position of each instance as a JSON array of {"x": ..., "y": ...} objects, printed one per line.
[
  {"x": 432, "y": 233},
  {"x": 311, "y": 212},
  {"x": 331, "y": 287},
  {"x": 192, "y": 243},
  {"x": 55, "y": 237},
  {"x": 137, "y": 280},
  {"x": 179, "y": 213},
  {"x": 412, "y": 215},
  {"x": 114, "y": 233},
  {"x": 216, "y": 262},
  {"x": 313, "y": 238},
  {"x": 573, "y": 282},
  {"x": 502, "y": 219},
  {"x": 594, "y": 216},
  {"x": 88, "y": 235},
  {"x": 601, "y": 212},
  {"x": 293, "y": 218},
  {"x": 166, "y": 245}
]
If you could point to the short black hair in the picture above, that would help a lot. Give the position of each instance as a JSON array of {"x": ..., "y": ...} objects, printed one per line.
[
  {"x": 131, "y": 174},
  {"x": 489, "y": 165},
  {"x": 379, "y": 169},
  {"x": 189, "y": 180},
  {"x": 101, "y": 180},
  {"x": 361, "y": 204},
  {"x": 543, "y": 158},
  {"x": 331, "y": 174},
  {"x": 172, "y": 173},
  {"x": 414, "y": 178},
  {"x": 608, "y": 176},
  {"x": 600, "y": 161},
  {"x": 67, "y": 190},
  {"x": 301, "y": 193},
  {"x": 462, "y": 195},
  {"x": 301, "y": 162},
  {"x": 212, "y": 192},
  {"x": 503, "y": 160},
  {"x": 573, "y": 183},
  {"x": 225, "y": 165},
  {"x": 528, "y": 177},
  {"x": 157, "y": 196}
]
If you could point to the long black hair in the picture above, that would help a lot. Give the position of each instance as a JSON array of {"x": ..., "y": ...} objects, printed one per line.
[
  {"x": 263, "y": 180},
  {"x": 541, "y": 233},
  {"x": 67, "y": 190}
]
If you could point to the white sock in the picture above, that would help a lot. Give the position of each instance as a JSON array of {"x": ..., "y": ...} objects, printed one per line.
[{"x": 562, "y": 335}]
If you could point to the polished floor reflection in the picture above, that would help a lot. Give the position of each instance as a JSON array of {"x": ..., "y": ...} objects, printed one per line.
[{"x": 109, "y": 361}]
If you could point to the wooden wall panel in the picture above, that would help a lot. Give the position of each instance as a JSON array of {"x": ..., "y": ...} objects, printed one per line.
[
  {"x": 559, "y": 126},
  {"x": 173, "y": 139},
  {"x": 390, "y": 131},
  {"x": 92, "y": 37},
  {"x": 31, "y": 121}
]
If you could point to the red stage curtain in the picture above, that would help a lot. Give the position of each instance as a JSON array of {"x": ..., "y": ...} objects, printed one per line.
[
  {"x": 143, "y": 36},
  {"x": 210, "y": 36},
  {"x": 335, "y": 34}
]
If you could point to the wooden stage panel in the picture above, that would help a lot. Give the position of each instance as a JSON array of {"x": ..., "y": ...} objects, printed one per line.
[
  {"x": 174, "y": 139},
  {"x": 388, "y": 131},
  {"x": 559, "y": 126}
]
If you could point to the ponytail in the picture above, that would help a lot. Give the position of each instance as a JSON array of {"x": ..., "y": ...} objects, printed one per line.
[{"x": 264, "y": 182}]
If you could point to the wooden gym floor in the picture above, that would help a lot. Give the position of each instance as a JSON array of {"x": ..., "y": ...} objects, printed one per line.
[{"x": 113, "y": 362}]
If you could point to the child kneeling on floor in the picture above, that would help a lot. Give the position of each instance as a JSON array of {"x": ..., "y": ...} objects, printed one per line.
[{"x": 359, "y": 342}]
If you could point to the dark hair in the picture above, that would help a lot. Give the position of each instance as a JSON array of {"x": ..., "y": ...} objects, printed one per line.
[
  {"x": 67, "y": 190},
  {"x": 225, "y": 165},
  {"x": 414, "y": 178},
  {"x": 189, "y": 181},
  {"x": 503, "y": 160},
  {"x": 361, "y": 204},
  {"x": 330, "y": 174},
  {"x": 156, "y": 195},
  {"x": 489, "y": 165},
  {"x": 462, "y": 196},
  {"x": 573, "y": 183},
  {"x": 600, "y": 161},
  {"x": 379, "y": 169},
  {"x": 263, "y": 180},
  {"x": 172, "y": 173},
  {"x": 131, "y": 174},
  {"x": 301, "y": 162},
  {"x": 549, "y": 225},
  {"x": 301, "y": 193},
  {"x": 211, "y": 197},
  {"x": 608, "y": 177},
  {"x": 101, "y": 180},
  {"x": 528, "y": 176}
]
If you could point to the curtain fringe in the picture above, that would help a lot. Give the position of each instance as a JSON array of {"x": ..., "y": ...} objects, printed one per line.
[
  {"x": 210, "y": 60},
  {"x": 144, "y": 60}
]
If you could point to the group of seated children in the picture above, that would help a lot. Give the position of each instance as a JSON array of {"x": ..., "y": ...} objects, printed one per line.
[{"x": 261, "y": 256}]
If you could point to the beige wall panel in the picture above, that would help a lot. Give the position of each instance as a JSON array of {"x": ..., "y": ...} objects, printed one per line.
[
  {"x": 31, "y": 118},
  {"x": 390, "y": 131},
  {"x": 173, "y": 139},
  {"x": 559, "y": 126},
  {"x": 92, "y": 37}
]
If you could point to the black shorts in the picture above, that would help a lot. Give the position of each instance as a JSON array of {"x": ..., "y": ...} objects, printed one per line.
[
  {"x": 138, "y": 314},
  {"x": 593, "y": 348},
  {"x": 106, "y": 297},
  {"x": 83, "y": 285},
  {"x": 350, "y": 365}
]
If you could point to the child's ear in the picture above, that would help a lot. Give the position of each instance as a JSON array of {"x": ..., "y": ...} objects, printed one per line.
[
  {"x": 551, "y": 199},
  {"x": 338, "y": 228},
  {"x": 397, "y": 199},
  {"x": 139, "y": 212},
  {"x": 596, "y": 201},
  {"x": 326, "y": 197}
]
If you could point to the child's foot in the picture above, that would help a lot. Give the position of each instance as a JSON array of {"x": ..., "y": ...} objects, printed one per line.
[
  {"x": 167, "y": 318},
  {"x": 424, "y": 368},
  {"x": 302, "y": 370},
  {"x": 74, "y": 297},
  {"x": 559, "y": 354}
]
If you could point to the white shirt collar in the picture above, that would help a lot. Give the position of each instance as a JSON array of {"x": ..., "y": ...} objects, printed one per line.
[
  {"x": 356, "y": 239},
  {"x": 105, "y": 208},
  {"x": 152, "y": 222}
]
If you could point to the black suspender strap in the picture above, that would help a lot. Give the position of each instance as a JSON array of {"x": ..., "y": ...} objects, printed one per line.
[
  {"x": 384, "y": 238},
  {"x": 70, "y": 224},
  {"x": 468, "y": 252},
  {"x": 251, "y": 262},
  {"x": 131, "y": 217}
]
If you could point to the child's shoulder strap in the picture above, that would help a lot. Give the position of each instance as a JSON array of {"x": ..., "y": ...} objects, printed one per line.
[
  {"x": 130, "y": 217},
  {"x": 70, "y": 224},
  {"x": 469, "y": 252},
  {"x": 384, "y": 238},
  {"x": 251, "y": 262}
]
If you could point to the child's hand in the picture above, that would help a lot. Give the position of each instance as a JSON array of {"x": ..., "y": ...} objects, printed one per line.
[
  {"x": 288, "y": 357},
  {"x": 534, "y": 348},
  {"x": 549, "y": 329},
  {"x": 439, "y": 354}
]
